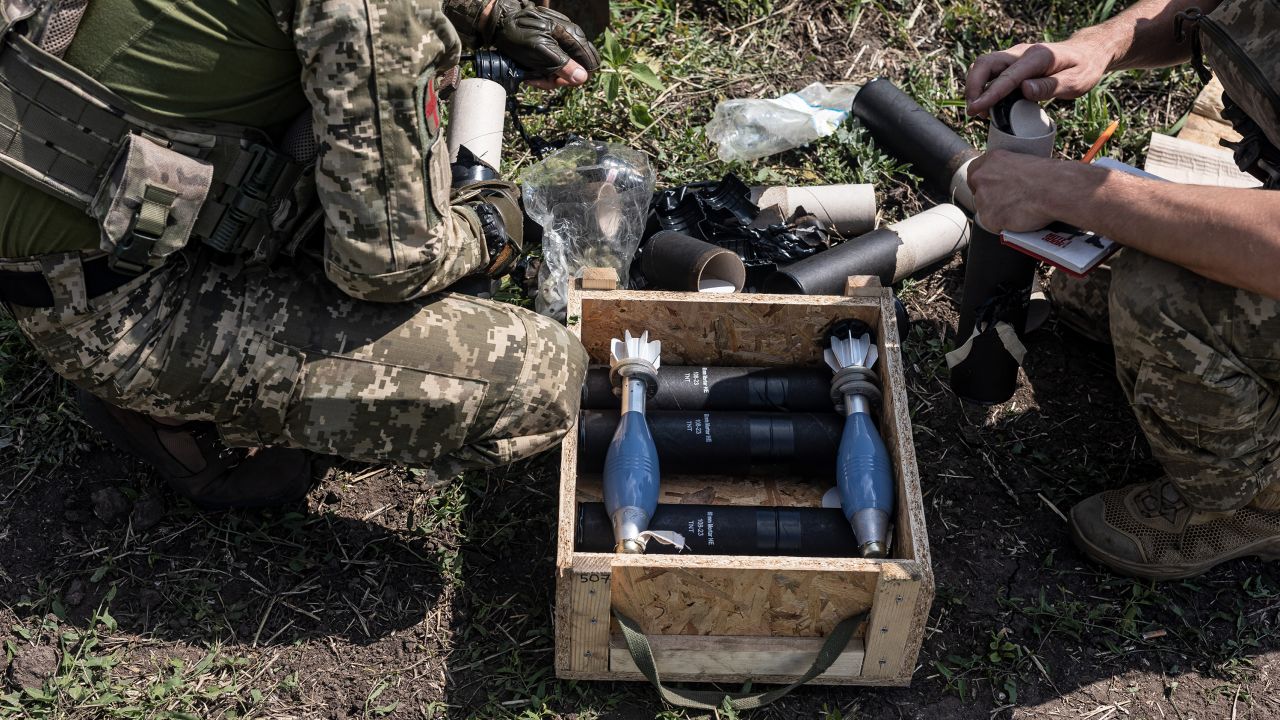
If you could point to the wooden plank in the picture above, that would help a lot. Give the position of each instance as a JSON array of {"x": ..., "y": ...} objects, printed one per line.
[
  {"x": 737, "y": 595},
  {"x": 911, "y": 537},
  {"x": 722, "y": 490},
  {"x": 729, "y": 659},
  {"x": 567, "y": 512},
  {"x": 862, "y": 286},
  {"x": 599, "y": 278},
  {"x": 1205, "y": 124},
  {"x": 590, "y": 615},
  {"x": 919, "y": 621},
  {"x": 889, "y": 627},
  {"x": 1208, "y": 102}
]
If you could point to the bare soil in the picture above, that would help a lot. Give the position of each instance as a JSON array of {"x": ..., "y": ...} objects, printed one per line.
[{"x": 390, "y": 594}]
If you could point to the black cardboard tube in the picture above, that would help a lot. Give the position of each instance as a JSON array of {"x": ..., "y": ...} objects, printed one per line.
[
  {"x": 825, "y": 273},
  {"x": 995, "y": 273},
  {"x": 723, "y": 443},
  {"x": 890, "y": 253},
  {"x": 676, "y": 261},
  {"x": 989, "y": 374},
  {"x": 908, "y": 132},
  {"x": 997, "y": 278},
  {"x": 731, "y": 530},
  {"x": 997, "y": 288},
  {"x": 794, "y": 389}
]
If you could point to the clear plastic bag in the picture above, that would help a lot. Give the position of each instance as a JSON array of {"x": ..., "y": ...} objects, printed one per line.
[
  {"x": 754, "y": 128},
  {"x": 591, "y": 199}
]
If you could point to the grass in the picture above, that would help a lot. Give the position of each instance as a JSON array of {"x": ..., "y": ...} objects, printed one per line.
[{"x": 391, "y": 595}]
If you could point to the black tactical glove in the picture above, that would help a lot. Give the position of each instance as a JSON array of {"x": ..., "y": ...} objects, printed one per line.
[
  {"x": 538, "y": 39},
  {"x": 497, "y": 204}
]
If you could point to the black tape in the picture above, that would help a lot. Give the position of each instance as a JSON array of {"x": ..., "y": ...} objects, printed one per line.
[
  {"x": 875, "y": 253},
  {"x": 723, "y": 443},
  {"x": 997, "y": 288},
  {"x": 722, "y": 388},
  {"x": 731, "y": 530}
]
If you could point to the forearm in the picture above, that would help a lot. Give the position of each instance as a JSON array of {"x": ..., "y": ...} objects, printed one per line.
[
  {"x": 1225, "y": 234},
  {"x": 1143, "y": 35}
]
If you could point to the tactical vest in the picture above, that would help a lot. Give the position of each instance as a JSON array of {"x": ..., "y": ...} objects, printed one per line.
[
  {"x": 153, "y": 184},
  {"x": 1240, "y": 42}
]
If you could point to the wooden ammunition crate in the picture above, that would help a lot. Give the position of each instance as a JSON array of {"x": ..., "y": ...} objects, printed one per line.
[{"x": 737, "y": 618}]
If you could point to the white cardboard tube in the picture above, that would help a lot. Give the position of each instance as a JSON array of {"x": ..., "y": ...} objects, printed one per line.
[
  {"x": 848, "y": 209},
  {"x": 937, "y": 233},
  {"x": 960, "y": 193},
  {"x": 475, "y": 120},
  {"x": 1033, "y": 132},
  {"x": 1028, "y": 119},
  {"x": 890, "y": 253}
]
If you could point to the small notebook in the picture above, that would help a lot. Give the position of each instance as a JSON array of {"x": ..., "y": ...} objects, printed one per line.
[{"x": 1074, "y": 250}]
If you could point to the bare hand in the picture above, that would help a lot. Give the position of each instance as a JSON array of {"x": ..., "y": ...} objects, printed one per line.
[
  {"x": 1043, "y": 71},
  {"x": 1009, "y": 189}
]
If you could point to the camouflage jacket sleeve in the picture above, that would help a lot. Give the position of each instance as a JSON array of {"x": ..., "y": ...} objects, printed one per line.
[{"x": 368, "y": 69}]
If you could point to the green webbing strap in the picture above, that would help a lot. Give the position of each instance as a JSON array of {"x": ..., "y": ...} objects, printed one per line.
[
  {"x": 153, "y": 216},
  {"x": 642, "y": 655}
]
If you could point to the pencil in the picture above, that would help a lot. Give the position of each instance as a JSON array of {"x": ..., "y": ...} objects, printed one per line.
[{"x": 1102, "y": 140}]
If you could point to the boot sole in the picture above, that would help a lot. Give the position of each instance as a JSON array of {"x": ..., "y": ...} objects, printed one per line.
[{"x": 1265, "y": 549}]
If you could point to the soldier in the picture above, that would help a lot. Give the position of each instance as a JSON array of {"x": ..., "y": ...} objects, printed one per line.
[
  {"x": 1194, "y": 310},
  {"x": 145, "y": 195}
]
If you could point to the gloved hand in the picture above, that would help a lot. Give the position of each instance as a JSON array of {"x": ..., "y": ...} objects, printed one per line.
[
  {"x": 497, "y": 204},
  {"x": 544, "y": 42}
]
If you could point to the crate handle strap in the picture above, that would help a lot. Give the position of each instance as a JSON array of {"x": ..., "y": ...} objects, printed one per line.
[{"x": 642, "y": 655}]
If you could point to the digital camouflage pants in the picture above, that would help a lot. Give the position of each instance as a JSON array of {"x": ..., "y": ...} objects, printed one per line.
[
  {"x": 282, "y": 357},
  {"x": 1199, "y": 362}
]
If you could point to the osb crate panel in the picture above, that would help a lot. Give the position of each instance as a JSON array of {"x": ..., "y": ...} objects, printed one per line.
[
  {"x": 716, "y": 332},
  {"x": 734, "y": 659},
  {"x": 751, "y": 599},
  {"x": 730, "y": 618},
  {"x": 721, "y": 490}
]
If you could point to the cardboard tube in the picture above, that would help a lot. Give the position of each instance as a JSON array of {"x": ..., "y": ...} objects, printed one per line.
[
  {"x": 475, "y": 120},
  {"x": 998, "y": 279},
  {"x": 784, "y": 389},
  {"x": 731, "y": 530},
  {"x": 891, "y": 253},
  {"x": 723, "y": 443},
  {"x": 1031, "y": 131},
  {"x": 848, "y": 209},
  {"x": 675, "y": 261},
  {"x": 908, "y": 132}
]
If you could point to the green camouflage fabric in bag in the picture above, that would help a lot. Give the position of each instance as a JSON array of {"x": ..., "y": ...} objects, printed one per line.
[{"x": 1240, "y": 42}]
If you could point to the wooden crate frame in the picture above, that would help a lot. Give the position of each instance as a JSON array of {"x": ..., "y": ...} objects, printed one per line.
[{"x": 738, "y": 618}]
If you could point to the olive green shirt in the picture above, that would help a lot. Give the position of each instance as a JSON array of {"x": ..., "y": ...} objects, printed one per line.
[{"x": 222, "y": 60}]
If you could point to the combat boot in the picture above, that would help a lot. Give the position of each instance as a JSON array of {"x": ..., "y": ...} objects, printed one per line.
[
  {"x": 194, "y": 461},
  {"x": 1149, "y": 531}
]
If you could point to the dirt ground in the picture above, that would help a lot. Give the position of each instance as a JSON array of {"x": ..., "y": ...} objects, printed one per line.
[{"x": 393, "y": 594}]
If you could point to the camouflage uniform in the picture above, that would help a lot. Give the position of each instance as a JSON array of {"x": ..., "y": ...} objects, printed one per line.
[
  {"x": 391, "y": 234},
  {"x": 1199, "y": 360},
  {"x": 284, "y": 357},
  {"x": 1200, "y": 363},
  {"x": 308, "y": 357},
  {"x": 1081, "y": 303}
]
